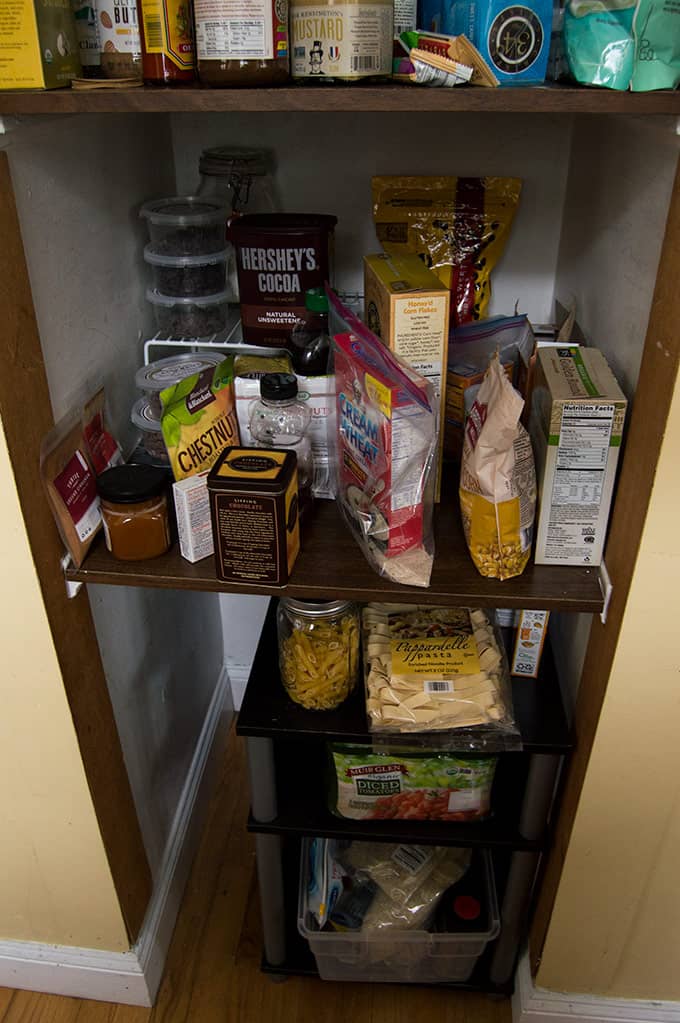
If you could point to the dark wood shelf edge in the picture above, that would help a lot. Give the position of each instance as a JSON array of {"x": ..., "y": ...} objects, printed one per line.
[
  {"x": 353, "y": 831},
  {"x": 392, "y": 97}
]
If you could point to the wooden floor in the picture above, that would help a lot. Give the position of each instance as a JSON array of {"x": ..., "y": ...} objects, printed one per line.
[{"x": 213, "y": 976}]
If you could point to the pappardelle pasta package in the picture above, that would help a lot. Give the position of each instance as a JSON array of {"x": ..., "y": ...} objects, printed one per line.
[{"x": 439, "y": 674}]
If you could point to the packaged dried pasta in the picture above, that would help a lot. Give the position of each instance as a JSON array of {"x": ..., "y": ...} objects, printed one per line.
[
  {"x": 458, "y": 226},
  {"x": 440, "y": 675},
  {"x": 318, "y": 651},
  {"x": 498, "y": 479}
]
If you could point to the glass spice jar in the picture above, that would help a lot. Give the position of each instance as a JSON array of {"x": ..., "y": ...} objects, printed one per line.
[
  {"x": 318, "y": 650},
  {"x": 134, "y": 506}
]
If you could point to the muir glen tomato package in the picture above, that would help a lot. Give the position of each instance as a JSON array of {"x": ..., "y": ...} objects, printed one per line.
[
  {"x": 411, "y": 784},
  {"x": 386, "y": 439}
]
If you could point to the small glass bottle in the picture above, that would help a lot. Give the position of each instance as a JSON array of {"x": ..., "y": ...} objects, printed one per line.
[
  {"x": 134, "y": 507},
  {"x": 279, "y": 420},
  {"x": 318, "y": 650},
  {"x": 310, "y": 343},
  {"x": 167, "y": 35}
]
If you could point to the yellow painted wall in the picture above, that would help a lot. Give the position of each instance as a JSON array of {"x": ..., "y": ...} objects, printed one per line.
[
  {"x": 55, "y": 882},
  {"x": 615, "y": 928}
]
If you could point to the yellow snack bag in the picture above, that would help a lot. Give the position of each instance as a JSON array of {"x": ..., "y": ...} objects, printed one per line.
[
  {"x": 498, "y": 479},
  {"x": 458, "y": 227},
  {"x": 199, "y": 419}
]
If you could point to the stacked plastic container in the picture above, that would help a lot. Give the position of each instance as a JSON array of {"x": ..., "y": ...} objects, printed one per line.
[
  {"x": 188, "y": 255},
  {"x": 151, "y": 380}
]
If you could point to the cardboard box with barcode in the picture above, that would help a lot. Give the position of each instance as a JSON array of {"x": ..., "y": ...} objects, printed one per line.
[
  {"x": 38, "y": 44},
  {"x": 576, "y": 426},
  {"x": 407, "y": 306}
]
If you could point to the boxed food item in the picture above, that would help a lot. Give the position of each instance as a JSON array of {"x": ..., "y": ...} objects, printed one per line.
[
  {"x": 407, "y": 306},
  {"x": 254, "y": 509},
  {"x": 192, "y": 508},
  {"x": 514, "y": 40},
  {"x": 531, "y": 630},
  {"x": 38, "y": 44},
  {"x": 409, "y": 783},
  {"x": 439, "y": 672},
  {"x": 576, "y": 424}
]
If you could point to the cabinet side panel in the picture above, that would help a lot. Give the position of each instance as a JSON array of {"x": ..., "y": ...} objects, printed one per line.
[
  {"x": 646, "y": 432},
  {"x": 25, "y": 413}
]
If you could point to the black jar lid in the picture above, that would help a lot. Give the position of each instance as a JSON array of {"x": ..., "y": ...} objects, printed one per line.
[
  {"x": 278, "y": 386},
  {"x": 131, "y": 484}
]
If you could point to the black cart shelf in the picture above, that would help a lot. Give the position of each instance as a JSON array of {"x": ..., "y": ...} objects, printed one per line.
[{"x": 287, "y": 757}]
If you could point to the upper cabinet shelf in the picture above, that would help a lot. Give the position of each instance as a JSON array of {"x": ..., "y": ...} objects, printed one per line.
[
  {"x": 398, "y": 98},
  {"x": 331, "y": 565}
]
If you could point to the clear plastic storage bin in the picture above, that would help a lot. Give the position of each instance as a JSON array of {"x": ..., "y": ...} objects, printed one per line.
[
  {"x": 186, "y": 225},
  {"x": 396, "y": 957},
  {"x": 205, "y": 274},
  {"x": 199, "y": 316}
]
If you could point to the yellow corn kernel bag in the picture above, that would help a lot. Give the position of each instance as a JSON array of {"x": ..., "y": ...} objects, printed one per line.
[
  {"x": 458, "y": 227},
  {"x": 498, "y": 479}
]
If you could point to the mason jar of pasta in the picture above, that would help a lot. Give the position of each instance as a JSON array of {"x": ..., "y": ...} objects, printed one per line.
[{"x": 318, "y": 650}]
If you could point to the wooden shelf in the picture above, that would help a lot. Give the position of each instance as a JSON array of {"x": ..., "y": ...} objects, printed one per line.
[
  {"x": 268, "y": 711},
  {"x": 331, "y": 564},
  {"x": 301, "y": 780},
  {"x": 390, "y": 97}
]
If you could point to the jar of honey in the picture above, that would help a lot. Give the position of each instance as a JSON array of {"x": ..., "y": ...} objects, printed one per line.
[{"x": 134, "y": 507}]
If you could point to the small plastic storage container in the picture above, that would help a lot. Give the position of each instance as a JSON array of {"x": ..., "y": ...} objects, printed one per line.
[
  {"x": 205, "y": 274},
  {"x": 147, "y": 421},
  {"x": 186, "y": 225},
  {"x": 155, "y": 377},
  {"x": 396, "y": 957},
  {"x": 199, "y": 316}
]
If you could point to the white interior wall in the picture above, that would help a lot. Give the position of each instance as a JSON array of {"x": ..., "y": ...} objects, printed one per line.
[
  {"x": 325, "y": 163},
  {"x": 620, "y": 181},
  {"x": 79, "y": 183}
]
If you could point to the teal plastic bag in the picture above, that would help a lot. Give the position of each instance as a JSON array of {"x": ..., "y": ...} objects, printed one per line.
[
  {"x": 656, "y": 29},
  {"x": 598, "y": 40}
]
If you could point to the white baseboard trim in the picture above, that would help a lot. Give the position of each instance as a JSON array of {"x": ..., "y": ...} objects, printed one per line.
[
  {"x": 133, "y": 978},
  {"x": 238, "y": 676},
  {"x": 538, "y": 1005}
]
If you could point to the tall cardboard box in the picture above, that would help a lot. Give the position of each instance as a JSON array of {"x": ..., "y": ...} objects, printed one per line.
[
  {"x": 38, "y": 44},
  {"x": 407, "y": 306},
  {"x": 576, "y": 425}
]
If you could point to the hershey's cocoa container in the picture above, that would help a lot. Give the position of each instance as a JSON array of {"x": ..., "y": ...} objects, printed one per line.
[{"x": 279, "y": 256}]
